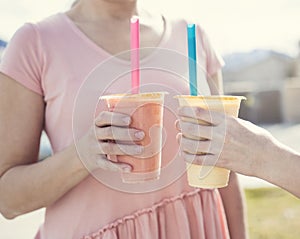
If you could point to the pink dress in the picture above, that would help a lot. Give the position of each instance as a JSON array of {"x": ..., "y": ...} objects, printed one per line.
[{"x": 53, "y": 58}]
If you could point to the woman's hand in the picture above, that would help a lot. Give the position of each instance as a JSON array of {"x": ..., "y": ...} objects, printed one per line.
[
  {"x": 211, "y": 138},
  {"x": 109, "y": 137}
]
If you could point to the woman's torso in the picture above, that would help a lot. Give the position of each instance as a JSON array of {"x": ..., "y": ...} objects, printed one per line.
[{"x": 71, "y": 86}]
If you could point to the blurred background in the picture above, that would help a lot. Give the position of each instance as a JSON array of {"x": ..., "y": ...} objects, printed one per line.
[{"x": 260, "y": 43}]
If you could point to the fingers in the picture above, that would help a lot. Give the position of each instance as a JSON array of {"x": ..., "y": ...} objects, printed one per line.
[
  {"x": 114, "y": 126},
  {"x": 119, "y": 133},
  {"x": 201, "y": 114},
  {"x": 203, "y": 133},
  {"x": 202, "y": 152},
  {"x": 195, "y": 131},
  {"x": 112, "y": 118},
  {"x": 204, "y": 159},
  {"x": 112, "y": 148},
  {"x": 114, "y": 136},
  {"x": 196, "y": 146},
  {"x": 106, "y": 164}
]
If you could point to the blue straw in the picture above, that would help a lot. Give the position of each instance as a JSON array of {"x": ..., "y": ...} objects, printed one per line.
[{"x": 191, "y": 32}]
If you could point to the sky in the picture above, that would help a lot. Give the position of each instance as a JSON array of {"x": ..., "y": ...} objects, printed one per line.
[{"x": 232, "y": 25}]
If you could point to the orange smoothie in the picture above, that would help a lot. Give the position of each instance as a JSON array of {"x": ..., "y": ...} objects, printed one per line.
[
  {"x": 146, "y": 111},
  {"x": 209, "y": 176}
]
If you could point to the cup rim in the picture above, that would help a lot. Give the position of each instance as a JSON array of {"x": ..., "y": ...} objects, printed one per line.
[
  {"x": 145, "y": 95},
  {"x": 211, "y": 97}
]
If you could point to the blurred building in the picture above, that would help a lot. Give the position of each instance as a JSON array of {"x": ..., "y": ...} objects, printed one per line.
[
  {"x": 261, "y": 76},
  {"x": 291, "y": 94}
]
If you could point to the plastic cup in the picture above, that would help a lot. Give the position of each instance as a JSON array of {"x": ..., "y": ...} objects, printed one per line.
[
  {"x": 146, "y": 111},
  {"x": 209, "y": 176}
]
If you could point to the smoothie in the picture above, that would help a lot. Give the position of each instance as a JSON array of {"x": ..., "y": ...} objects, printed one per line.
[
  {"x": 209, "y": 176},
  {"x": 146, "y": 111}
]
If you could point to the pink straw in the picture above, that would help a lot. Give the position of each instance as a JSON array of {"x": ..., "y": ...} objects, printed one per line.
[{"x": 135, "y": 54}]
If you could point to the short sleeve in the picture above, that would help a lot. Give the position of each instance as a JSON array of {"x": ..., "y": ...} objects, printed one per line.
[
  {"x": 22, "y": 59},
  {"x": 214, "y": 61}
]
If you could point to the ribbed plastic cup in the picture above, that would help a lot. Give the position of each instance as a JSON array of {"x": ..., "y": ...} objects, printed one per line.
[
  {"x": 146, "y": 111},
  {"x": 209, "y": 176}
]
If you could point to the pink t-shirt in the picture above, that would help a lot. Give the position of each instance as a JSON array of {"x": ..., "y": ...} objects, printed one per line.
[{"x": 56, "y": 60}]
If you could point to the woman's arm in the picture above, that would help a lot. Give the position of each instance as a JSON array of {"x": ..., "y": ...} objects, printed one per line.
[
  {"x": 232, "y": 195},
  {"x": 253, "y": 151},
  {"x": 25, "y": 184},
  {"x": 280, "y": 165},
  {"x": 247, "y": 149}
]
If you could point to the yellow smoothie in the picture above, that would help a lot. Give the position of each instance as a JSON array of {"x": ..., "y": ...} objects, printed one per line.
[{"x": 209, "y": 176}]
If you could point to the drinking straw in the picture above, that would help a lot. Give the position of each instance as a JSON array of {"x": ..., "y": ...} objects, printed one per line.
[
  {"x": 135, "y": 54},
  {"x": 192, "y": 58}
]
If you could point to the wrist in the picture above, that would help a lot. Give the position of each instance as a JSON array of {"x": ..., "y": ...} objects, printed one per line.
[
  {"x": 73, "y": 160},
  {"x": 270, "y": 160},
  {"x": 263, "y": 156}
]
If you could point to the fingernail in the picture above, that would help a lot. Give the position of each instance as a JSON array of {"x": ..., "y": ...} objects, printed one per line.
[
  {"x": 139, "y": 134},
  {"x": 127, "y": 120}
]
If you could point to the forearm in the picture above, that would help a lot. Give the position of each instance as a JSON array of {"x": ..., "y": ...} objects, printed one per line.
[
  {"x": 233, "y": 200},
  {"x": 29, "y": 187},
  {"x": 280, "y": 166}
]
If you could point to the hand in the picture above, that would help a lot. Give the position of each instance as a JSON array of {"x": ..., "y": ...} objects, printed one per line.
[
  {"x": 211, "y": 138},
  {"x": 110, "y": 136}
]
